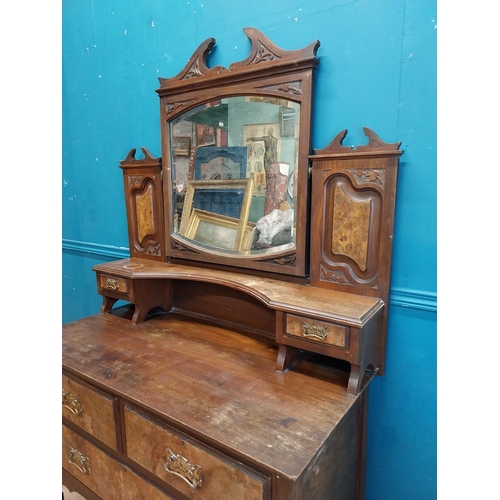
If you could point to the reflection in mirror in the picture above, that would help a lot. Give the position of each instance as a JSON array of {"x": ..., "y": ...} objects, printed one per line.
[{"x": 218, "y": 145}]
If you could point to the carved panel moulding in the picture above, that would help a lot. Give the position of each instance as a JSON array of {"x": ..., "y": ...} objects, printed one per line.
[
  {"x": 263, "y": 56},
  {"x": 369, "y": 175},
  {"x": 156, "y": 250},
  {"x": 336, "y": 274},
  {"x": 172, "y": 108},
  {"x": 292, "y": 89},
  {"x": 134, "y": 180}
]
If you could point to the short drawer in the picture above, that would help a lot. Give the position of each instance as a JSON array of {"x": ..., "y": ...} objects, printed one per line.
[
  {"x": 102, "y": 474},
  {"x": 187, "y": 467},
  {"x": 317, "y": 331},
  {"x": 114, "y": 284},
  {"x": 90, "y": 410}
]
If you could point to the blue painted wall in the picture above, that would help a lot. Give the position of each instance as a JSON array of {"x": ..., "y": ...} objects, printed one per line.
[{"x": 377, "y": 69}]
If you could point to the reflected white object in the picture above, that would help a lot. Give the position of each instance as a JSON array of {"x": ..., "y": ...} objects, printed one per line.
[{"x": 271, "y": 224}]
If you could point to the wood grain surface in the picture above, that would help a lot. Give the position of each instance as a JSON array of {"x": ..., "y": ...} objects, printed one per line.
[{"x": 214, "y": 384}]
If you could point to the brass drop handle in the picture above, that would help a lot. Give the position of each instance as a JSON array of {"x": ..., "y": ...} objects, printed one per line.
[
  {"x": 72, "y": 403},
  {"x": 112, "y": 283},
  {"x": 181, "y": 467},
  {"x": 79, "y": 460},
  {"x": 316, "y": 331}
]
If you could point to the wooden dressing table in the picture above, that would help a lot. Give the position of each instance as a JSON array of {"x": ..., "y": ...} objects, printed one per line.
[{"x": 240, "y": 366}]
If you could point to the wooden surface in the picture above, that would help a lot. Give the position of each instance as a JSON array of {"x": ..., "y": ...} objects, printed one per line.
[
  {"x": 341, "y": 307},
  {"x": 216, "y": 385}
]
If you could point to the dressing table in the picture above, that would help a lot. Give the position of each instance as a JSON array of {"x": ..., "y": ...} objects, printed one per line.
[{"x": 234, "y": 349}]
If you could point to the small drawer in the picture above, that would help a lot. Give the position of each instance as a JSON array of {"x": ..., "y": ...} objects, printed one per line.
[
  {"x": 90, "y": 410},
  {"x": 101, "y": 473},
  {"x": 114, "y": 284},
  {"x": 187, "y": 467},
  {"x": 317, "y": 331}
]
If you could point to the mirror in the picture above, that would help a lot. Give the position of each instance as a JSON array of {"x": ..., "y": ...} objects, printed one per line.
[{"x": 235, "y": 159}]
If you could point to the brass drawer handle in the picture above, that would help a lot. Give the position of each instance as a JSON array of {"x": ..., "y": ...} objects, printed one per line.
[
  {"x": 316, "y": 331},
  {"x": 72, "y": 403},
  {"x": 112, "y": 283},
  {"x": 79, "y": 460},
  {"x": 181, "y": 467}
]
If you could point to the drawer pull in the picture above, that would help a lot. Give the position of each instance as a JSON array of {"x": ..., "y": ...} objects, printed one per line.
[
  {"x": 79, "y": 460},
  {"x": 180, "y": 466},
  {"x": 72, "y": 403},
  {"x": 316, "y": 331},
  {"x": 112, "y": 283}
]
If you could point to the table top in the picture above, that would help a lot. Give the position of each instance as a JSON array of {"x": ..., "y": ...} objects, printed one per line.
[{"x": 213, "y": 383}]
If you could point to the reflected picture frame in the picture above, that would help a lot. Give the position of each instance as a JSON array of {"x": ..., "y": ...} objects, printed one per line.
[
  {"x": 219, "y": 231},
  {"x": 182, "y": 146},
  {"x": 209, "y": 197}
]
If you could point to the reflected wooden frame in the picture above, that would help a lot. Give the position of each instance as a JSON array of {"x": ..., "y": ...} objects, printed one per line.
[
  {"x": 182, "y": 146},
  {"x": 220, "y": 231},
  {"x": 218, "y": 186}
]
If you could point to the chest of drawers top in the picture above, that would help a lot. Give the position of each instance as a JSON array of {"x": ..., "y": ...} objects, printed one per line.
[{"x": 215, "y": 384}]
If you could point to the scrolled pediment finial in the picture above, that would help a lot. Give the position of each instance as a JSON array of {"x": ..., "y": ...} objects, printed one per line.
[{"x": 376, "y": 143}]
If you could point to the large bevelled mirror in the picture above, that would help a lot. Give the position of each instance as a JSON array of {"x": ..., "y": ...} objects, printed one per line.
[
  {"x": 236, "y": 144},
  {"x": 234, "y": 165}
]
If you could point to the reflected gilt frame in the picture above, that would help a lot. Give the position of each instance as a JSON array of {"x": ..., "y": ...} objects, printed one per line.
[
  {"x": 214, "y": 187},
  {"x": 210, "y": 228}
]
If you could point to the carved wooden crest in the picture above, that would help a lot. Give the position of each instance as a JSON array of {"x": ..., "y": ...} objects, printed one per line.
[{"x": 263, "y": 56}]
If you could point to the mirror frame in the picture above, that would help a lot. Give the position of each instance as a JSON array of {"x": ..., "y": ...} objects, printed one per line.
[{"x": 268, "y": 71}]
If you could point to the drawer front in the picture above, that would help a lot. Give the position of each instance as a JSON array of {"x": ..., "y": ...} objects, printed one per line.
[
  {"x": 119, "y": 285},
  {"x": 106, "y": 477},
  {"x": 317, "y": 331},
  {"x": 90, "y": 410},
  {"x": 191, "y": 470}
]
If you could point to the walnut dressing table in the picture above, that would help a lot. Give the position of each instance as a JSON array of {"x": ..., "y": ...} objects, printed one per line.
[{"x": 252, "y": 312}]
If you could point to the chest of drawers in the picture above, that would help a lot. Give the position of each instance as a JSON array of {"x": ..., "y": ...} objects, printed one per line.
[{"x": 176, "y": 407}]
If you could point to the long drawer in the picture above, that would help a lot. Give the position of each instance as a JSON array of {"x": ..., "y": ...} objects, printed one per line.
[
  {"x": 186, "y": 466},
  {"x": 106, "y": 477},
  {"x": 90, "y": 410}
]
